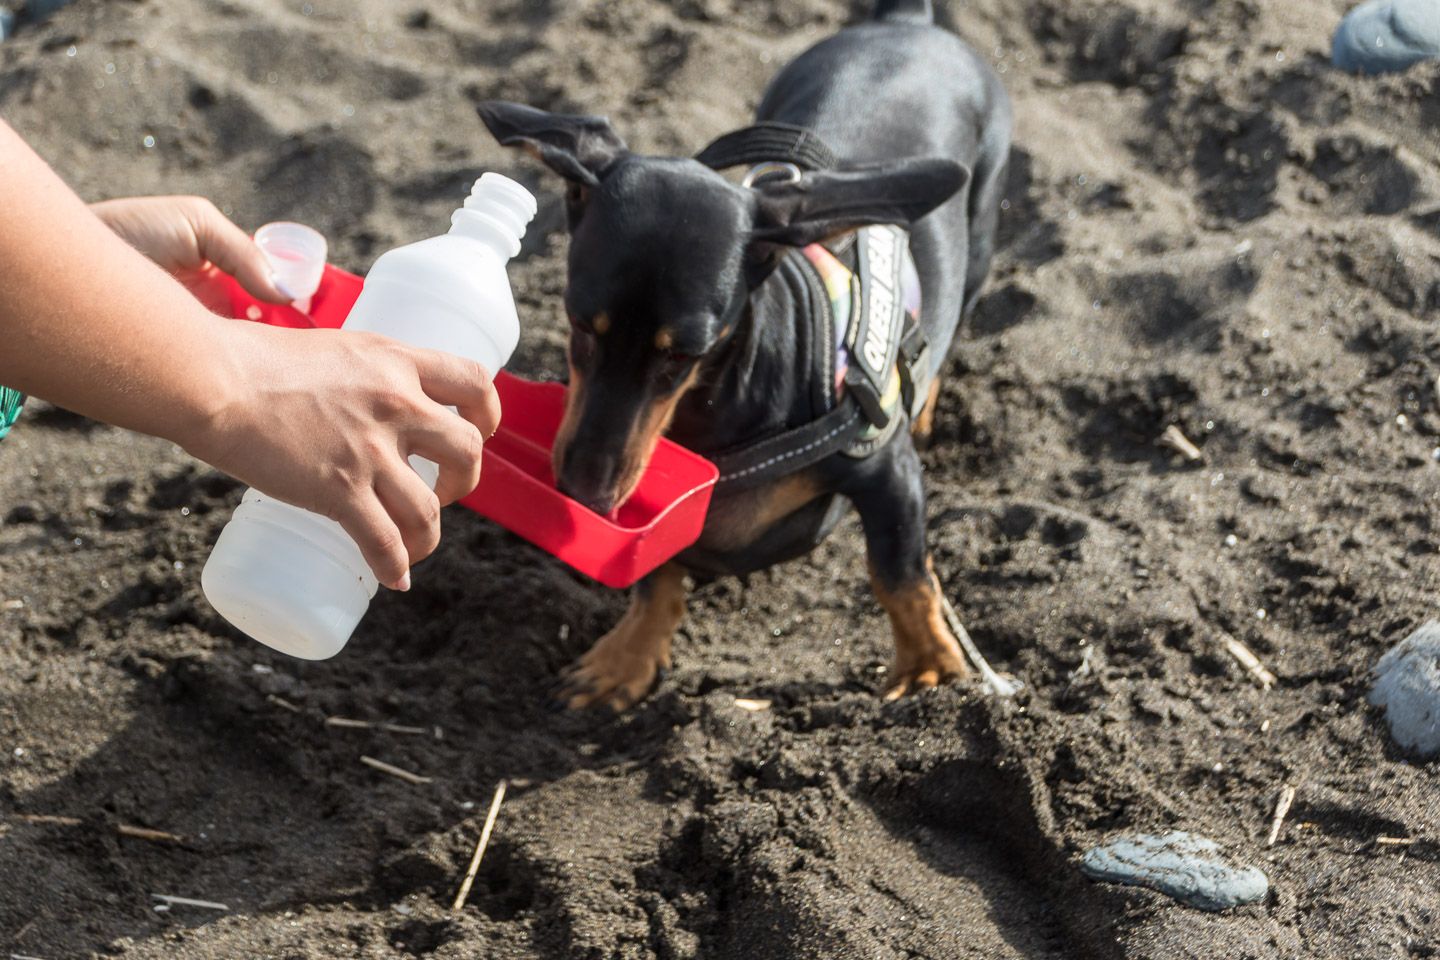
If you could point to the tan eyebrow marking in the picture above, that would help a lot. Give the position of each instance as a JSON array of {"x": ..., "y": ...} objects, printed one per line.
[
  {"x": 664, "y": 339},
  {"x": 601, "y": 323}
]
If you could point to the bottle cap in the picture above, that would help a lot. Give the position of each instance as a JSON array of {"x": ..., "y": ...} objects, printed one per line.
[{"x": 296, "y": 254}]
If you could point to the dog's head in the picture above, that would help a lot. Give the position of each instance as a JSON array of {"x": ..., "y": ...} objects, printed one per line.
[{"x": 664, "y": 253}]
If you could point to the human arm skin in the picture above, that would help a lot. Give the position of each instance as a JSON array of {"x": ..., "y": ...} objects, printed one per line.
[{"x": 321, "y": 419}]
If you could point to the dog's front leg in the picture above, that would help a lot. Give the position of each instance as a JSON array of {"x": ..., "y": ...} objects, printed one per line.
[
  {"x": 622, "y": 666},
  {"x": 890, "y": 498}
]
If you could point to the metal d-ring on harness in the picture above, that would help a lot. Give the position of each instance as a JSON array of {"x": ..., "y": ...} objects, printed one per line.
[{"x": 883, "y": 341}]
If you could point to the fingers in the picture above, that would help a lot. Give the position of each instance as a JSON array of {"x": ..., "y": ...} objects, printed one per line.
[
  {"x": 462, "y": 384},
  {"x": 414, "y": 510},
  {"x": 455, "y": 445},
  {"x": 379, "y": 538},
  {"x": 232, "y": 250}
]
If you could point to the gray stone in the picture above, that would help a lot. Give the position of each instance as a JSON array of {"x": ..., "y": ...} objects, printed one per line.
[
  {"x": 1407, "y": 685},
  {"x": 1387, "y": 36},
  {"x": 1181, "y": 865},
  {"x": 33, "y": 10},
  {"x": 39, "y": 9}
]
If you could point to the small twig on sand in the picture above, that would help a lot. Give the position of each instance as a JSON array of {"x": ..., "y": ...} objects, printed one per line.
[
  {"x": 370, "y": 725},
  {"x": 144, "y": 833},
  {"x": 1175, "y": 439},
  {"x": 124, "y": 829},
  {"x": 1248, "y": 660},
  {"x": 21, "y": 956},
  {"x": 282, "y": 703},
  {"x": 1282, "y": 807},
  {"x": 480, "y": 846},
  {"x": 23, "y": 931},
  {"x": 754, "y": 706},
  {"x": 1234, "y": 647},
  {"x": 1395, "y": 841},
  {"x": 994, "y": 683},
  {"x": 170, "y": 901},
  {"x": 405, "y": 775},
  {"x": 50, "y": 820}
]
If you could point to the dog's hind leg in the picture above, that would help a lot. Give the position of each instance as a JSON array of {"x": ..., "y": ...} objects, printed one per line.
[
  {"x": 987, "y": 190},
  {"x": 623, "y": 666},
  {"x": 890, "y": 498},
  {"x": 924, "y": 424}
]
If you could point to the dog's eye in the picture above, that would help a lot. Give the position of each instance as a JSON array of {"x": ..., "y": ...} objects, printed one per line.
[{"x": 576, "y": 194}]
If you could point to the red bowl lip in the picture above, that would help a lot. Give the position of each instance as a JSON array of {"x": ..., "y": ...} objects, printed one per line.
[{"x": 708, "y": 473}]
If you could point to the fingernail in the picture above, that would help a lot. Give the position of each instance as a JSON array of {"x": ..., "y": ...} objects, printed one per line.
[
  {"x": 285, "y": 291},
  {"x": 403, "y": 583}
]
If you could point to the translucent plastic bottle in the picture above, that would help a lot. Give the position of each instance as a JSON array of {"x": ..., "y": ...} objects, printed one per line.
[{"x": 295, "y": 580}]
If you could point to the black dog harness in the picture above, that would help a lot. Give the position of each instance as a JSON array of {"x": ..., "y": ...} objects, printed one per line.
[{"x": 869, "y": 355}]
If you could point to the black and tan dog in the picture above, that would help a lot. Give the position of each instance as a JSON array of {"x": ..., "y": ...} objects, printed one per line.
[{"x": 689, "y": 320}]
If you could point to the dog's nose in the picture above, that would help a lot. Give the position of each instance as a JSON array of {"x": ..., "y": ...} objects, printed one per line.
[
  {"x": 589, "y": 482},
  {"x": 600, "y": 501}
]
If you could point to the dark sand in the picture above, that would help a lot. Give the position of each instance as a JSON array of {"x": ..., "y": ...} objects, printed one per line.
[{"x": 1207, "y": 227}]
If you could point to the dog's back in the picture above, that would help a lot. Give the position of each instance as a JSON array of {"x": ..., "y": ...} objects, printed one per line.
[{"x": 898, "y": 86}]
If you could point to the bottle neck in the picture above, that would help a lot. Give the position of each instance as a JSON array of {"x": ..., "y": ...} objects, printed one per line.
[
  {"x": 487, "y": 230},
  {"x": 496, "y": 213}
]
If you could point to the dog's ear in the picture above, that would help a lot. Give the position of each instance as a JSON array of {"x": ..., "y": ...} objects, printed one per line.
[
  {"x": 825, "y": 203},
  {"x": 578, "y": 148}
]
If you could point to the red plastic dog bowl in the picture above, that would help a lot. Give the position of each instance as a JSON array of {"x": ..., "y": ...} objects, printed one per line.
[{"x": 517, "y": 487}]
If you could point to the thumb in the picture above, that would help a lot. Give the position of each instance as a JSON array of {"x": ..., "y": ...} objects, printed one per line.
[{"x": 234, "y": 252}]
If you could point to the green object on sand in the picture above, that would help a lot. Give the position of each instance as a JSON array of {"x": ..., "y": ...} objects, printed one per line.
[{"x": 10, "y": 403}]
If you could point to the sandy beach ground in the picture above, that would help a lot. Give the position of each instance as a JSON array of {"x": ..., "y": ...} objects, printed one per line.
[{"x": 1206, "y": 227}]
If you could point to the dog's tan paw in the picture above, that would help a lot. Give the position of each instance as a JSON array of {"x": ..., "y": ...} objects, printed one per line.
[
  {"x": 940, "y": 665},
  {"x": 610, "y": 677}
]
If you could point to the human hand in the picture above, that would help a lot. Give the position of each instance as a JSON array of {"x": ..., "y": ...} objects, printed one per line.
[
  {"x": 193, "y": 241},
  {"x": 326, "y": 419}
]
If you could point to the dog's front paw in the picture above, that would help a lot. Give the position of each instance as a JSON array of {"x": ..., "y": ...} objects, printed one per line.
[
  {"x": 914, "y": 670},
  {"x": 618, "y": 672}
]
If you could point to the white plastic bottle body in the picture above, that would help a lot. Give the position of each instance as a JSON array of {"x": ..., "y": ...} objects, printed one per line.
[{"x": 294, "y": 580}]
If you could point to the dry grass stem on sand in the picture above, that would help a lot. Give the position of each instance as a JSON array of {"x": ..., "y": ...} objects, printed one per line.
[
  {"x": 994, "y": 683},
  {"x": 395, "y": 771},
  {"x": 124, "y": 829},
  {"x": 1248, "y": 660},
  {"x": 168, "y": 901},
  {"x": 370, "y": 725},
  {"x": 1176, "y": 440},
  {"x": 480, "y": 846},
  {"x": 1282, "y": 807}
]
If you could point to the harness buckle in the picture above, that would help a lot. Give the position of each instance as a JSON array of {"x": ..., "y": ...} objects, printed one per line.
[
  {"x": 776, "y": 171},
  {"x": 914, "y": 369}
]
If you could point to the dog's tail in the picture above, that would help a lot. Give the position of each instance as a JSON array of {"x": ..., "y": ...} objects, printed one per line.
[{"x": 908, "y": 11}]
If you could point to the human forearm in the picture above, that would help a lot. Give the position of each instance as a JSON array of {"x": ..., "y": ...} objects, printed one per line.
[{"x": 81, "y": 314}]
